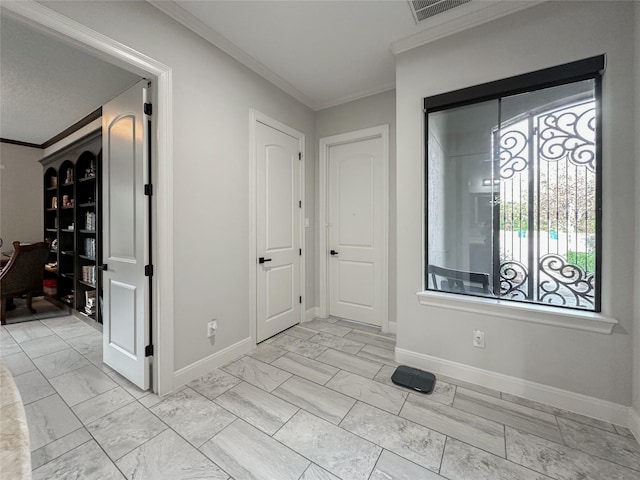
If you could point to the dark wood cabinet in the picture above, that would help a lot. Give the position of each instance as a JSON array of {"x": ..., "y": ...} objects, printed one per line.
[{"x": 72, "y": 223}]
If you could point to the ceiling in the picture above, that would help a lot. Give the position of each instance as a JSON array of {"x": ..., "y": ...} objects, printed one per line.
[{"x": 47, "y": 85}]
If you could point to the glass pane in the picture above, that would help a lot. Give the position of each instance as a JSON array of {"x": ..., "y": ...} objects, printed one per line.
[{"x": 461, "y": 194}]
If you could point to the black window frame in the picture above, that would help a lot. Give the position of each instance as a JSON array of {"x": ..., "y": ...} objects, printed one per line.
[{"x": 591, "y": 68}]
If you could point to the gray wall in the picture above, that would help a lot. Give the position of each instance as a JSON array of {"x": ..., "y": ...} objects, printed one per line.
[
  {"x": 212, "y": 95},
  {"x": 367, "y": 112},
  {"x": 20, "y": 194},
  {"x": 550, "y": 34},
  {"x": 636, "y": 326}
]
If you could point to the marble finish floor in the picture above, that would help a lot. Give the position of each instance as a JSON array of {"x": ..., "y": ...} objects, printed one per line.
[{"x": 316, "y": 402}]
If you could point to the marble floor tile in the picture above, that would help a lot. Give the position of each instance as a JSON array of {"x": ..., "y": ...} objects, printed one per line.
[
  {"x": 624, "y": 431},
  {"x": 269, "y": 460},
  {"x": 463, "y": 462},
  {"x": 101, "y": 405},
  {"x": 266, "y": 353},
  {"x": 119, "y": 432},
  {"x": 131, "y": 389},
  {"x": 300, "y": 332},
  {"x": 609, "y": 446},
  {"x": 18, "y": 363},
  {"x": 517, "y": 416},
  {"x": 257, "y": 407},
  {"x": 443, "y": 392},
  {"x": 480, "y": 432},
  {"x": 323, "y": 326},
  {"x": 49, "y": 419},
  {"x": 86, "y": 462},
  {"x": 97, "y": 360},
  {"x": 468, "y": 386},
  {"x": 214, "y": 383},
  {"x": 314, "y": 472},
  {"x": 299, "y": 346},
  {"x": 394, "y": 467},
  {"x": 8, "y": 346},
  {"x": 23, "y": 332},
  {"x": 337, "y": 343},
  {"x": 350, "y": 363},
  {"x": 398, "y": 435},
  {"x": 33, "y": 386},
  {"x": 71, "y": 329},
  {"x": 368, "y": 391},
  {"x": 87, "y": 344},
  {"x": 82, "y": 384},
  {"x": 372, "y": 339},
  {"x": 43, "y": 346},
  {"x": 316, "y": 399},
  {"x": 257, "y": 373},
  {"x": 59, "y": 447},
  {"x": 334, "y": 449},
  {"x": 559, "y": 461},
  {"x": 168, "y": 457},
  {"x": 59, "y": 363},
  {"x": 193, "y": 416},
  {"x": 304, "y": 367},
  {"x": 559, "y": 412},
  {"x": 358, "y": 326},
  {"x": 378, "y": 354}
]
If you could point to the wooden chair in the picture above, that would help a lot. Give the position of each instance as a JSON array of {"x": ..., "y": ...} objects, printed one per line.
[
  {"x": 458, "y": 281},
  {"x": 23, "y": 274}
]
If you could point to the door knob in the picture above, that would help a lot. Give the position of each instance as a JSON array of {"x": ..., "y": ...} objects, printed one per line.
[
  {"x": 333, "y": 252},
  {"x": 263, "y": 260}
]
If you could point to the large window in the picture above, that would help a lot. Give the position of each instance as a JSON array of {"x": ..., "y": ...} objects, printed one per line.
[{"x": 513, "y": 188}]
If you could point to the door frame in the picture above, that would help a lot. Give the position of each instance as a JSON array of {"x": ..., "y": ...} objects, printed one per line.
[
  {"x": 326, "y": 143},
  {"x": 114, "y": 52},
  {"x": 256, "y": 117}
]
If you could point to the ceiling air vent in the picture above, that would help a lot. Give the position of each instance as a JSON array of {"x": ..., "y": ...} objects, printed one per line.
[{"x": 424, "y": 9}]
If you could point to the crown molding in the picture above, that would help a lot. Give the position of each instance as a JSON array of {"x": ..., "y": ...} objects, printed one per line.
[
  {"x": 473, "y": 14},
  {"x": 358, "y": 95},
  {"x": 179, "y": 14}
]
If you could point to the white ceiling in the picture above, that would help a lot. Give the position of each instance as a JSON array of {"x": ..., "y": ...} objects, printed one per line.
[{"x": 46, "y": 85}]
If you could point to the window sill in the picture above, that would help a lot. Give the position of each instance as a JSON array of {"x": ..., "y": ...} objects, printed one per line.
[{"x": 541, "y": 314}]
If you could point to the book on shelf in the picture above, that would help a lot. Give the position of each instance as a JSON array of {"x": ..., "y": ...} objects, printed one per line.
[{"x": 89, "y": 274}]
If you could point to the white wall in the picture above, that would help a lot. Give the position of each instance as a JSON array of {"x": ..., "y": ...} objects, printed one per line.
[
  {"x": 550, "y": 34},
  {"x": 212, "y": 95},
  {"x": 636, "y": 326},
  {"x": 363, "y": 113},
  {"x": 20, "y": 194}
]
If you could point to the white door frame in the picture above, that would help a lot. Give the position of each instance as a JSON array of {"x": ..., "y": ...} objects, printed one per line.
[
  {"x": 258, "y": 117},
  {"x": 326, "y": 143},
  {"x": 111, "y": 51}
]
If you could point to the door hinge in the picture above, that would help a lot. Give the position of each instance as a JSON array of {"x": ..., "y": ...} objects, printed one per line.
[
  {"x": 300, "y": 252},
  {"x": 299, "y": 203},
  {"x": 300, "y": 299},
  {"x": 147, "y": 109},
  {"x": 148, "y": 189},
  {"x": 148, "y": 270},
  {"x": 148, "y": 351},
  {"x": 299, "y": 155}
]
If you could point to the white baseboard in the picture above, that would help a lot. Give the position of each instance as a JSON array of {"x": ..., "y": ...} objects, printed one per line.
[
  {"x": 574, "y": 402},
  {"x": 311, "y": 314},
  {"x": 213, "y": 361},
  {"x": 634, "y": 423}
]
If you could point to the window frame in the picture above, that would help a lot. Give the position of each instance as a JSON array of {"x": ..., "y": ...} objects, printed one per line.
[{"x": 591, "y": 68}]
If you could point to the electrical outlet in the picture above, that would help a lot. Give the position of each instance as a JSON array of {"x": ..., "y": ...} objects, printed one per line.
[
  {"x": 212, "y": 326},
  {"x": 478, "y": 338}
]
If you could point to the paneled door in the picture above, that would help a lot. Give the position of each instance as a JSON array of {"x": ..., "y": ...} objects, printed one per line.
[
  {"x": 278, "y": 191},
  {"x": 125, "y": 235},
  {"x": 355, "y": 230}
]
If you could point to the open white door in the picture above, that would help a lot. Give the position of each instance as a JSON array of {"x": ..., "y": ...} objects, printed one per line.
[
  {"x": 125, "y": 235},
  {"x": 278, "y": 231}
]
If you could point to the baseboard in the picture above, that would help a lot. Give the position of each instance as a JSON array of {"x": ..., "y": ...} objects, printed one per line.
[
  {"x": 215, "y": 360},
  {"x": 575, "y": 402},
  {"x": 311, "y": 314},
  {"x": 634, "y": 423}
]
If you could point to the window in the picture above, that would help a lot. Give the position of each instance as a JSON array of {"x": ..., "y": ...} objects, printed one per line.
[{"x": 513, "y": 188}]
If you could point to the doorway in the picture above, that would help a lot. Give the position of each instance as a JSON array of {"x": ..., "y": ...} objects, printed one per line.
[{"x": 354, "y": 227}]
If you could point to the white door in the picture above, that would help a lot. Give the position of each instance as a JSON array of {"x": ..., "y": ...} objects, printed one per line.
[
  {"x": 355, "y": 230},
  {"x": 278, "y": 192},
  {"x": 125, "y": 235}
]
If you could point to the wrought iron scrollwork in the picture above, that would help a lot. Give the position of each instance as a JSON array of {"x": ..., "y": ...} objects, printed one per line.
[
  {"x": 570, "y": 133},
  {"x": 561, "y": 282},
  {"x": 513, "y": 280},
  {"x": 513, "y": 147}
]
